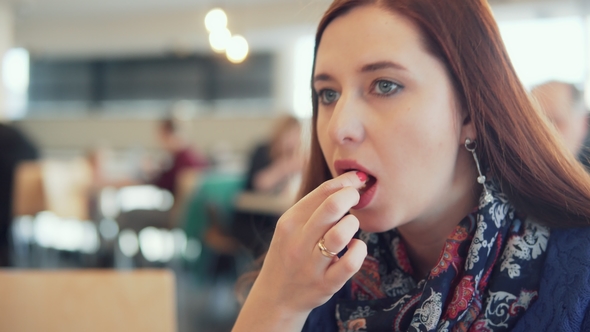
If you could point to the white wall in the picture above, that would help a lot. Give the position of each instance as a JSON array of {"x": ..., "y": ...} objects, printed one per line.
[
  {"x": 267, "y": 26},
  {"x": 78, "y": 135}
]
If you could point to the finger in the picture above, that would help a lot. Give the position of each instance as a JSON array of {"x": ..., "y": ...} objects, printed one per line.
[
  {"x": 350, "y": 263},
  {"x": 337, "y": 237},
  {"x": 315, "y": 198},
  {"x": 331, "y": 210}
]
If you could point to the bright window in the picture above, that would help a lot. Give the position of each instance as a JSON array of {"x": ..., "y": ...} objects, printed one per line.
[{"x": 546, "y": 49}]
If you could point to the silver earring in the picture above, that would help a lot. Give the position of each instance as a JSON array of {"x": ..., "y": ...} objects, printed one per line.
[{"x": 481, "y": 179}]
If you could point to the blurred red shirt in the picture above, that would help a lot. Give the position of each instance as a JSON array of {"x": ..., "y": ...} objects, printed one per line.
[{"x": 183, "y": 159}]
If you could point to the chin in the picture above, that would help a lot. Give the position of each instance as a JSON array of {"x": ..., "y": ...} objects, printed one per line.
[
  {"x": 375, "y": 223},
  {"x": 372, "y": 228}
]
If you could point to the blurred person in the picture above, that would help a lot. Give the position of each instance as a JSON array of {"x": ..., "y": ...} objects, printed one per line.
[
  {"x": 565, "y": 107},
  {"x": 278, "y": 160},
  {"x": 15, "y": 147},
  {"x": 435, "y": 197},
  {"x": 176, "y": 173},
  {"x": 274, "y": 169},
  {"x": 97, "y": 159},
  {"x": 182, "y": 156}
]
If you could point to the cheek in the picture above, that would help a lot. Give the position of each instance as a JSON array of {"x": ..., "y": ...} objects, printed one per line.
[
  {"x": 422, "y": 142},
  {"x": 429, "y": 127},
  {"x": 322, "y": 133},
  {"x": 323, "y": 122}
]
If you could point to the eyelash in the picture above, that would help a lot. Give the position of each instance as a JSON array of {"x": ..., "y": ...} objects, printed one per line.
[
  {"x": 396, "y": 88},
  {"x": 321, "y": 96}
]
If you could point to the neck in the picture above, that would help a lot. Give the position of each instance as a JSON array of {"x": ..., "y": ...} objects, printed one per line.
[
  {"x": 426, "y": 238},
  {"x": 424, "y": 254}
]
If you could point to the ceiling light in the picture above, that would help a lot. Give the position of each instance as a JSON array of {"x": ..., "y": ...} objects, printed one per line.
[
  {"x": 237, "y": 49},
  {"x": 219, "y": 40},
  {"x": 215, "y": 19},
  {"x": 15, "y": 70}
]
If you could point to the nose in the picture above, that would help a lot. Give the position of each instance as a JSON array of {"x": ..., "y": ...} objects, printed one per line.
[{"x": 346, "y": 123}]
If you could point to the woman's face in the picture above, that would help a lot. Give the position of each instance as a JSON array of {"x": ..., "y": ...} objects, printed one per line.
[{"x": 387, "y": 107}]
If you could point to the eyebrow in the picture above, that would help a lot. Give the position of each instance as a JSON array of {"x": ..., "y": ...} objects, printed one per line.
[
  {"x": 366, "y": 68},
  {"x": 382, "y": 65},
  {"x": 322, "y": 78}
]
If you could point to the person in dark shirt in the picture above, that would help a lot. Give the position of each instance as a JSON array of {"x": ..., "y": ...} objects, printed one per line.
[
  {"x": 274, "y": 162},
  {"x": 15, "y": 147},
  {"x": 183, "y": 156},
  {"x": 273, "y": 165}
]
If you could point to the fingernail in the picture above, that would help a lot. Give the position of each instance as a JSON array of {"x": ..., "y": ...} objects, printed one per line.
[{"x": 362, "y": 176}]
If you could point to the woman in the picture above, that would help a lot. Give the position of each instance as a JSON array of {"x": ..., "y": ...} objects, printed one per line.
[
  {"x": 275, "y": 168},
  {"x": 425, "y": 140},
  {"x": 275, "y": 163}
]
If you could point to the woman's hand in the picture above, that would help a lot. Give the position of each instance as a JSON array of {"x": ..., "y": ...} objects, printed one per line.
[{"x": 295, "y": 276}]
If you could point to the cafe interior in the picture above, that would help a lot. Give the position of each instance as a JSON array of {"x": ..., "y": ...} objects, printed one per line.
[{"x": 134, "y": 133}]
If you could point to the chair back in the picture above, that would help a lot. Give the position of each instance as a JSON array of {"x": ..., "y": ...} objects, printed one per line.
[
  {"x": 28, "y": 192},
  {"x": 67, "y": 186}
]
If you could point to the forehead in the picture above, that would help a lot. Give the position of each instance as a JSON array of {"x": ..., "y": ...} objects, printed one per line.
[
  {"x": 368, "y": 33},
  {"x": 556, "y": 92}
]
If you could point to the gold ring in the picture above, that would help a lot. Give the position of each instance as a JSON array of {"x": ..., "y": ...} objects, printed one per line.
[{"x": 324, "y": 250}]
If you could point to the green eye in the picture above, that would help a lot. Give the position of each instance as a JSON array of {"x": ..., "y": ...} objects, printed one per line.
[
  {"x": 328, "y": 96},
  {"x": 384, "y": 87}
]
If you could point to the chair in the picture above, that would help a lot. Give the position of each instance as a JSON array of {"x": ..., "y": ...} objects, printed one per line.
[
  {"x": 67, "y": 186},
  {"x": 208, "y": 217},
  {"x": 87, "y": 300},
  {"x": 186, "y": 182},
  {"x": 29, "y": 191}
]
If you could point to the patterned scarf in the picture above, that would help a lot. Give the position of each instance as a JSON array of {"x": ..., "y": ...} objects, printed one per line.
[{"x": 487, "y": 276}]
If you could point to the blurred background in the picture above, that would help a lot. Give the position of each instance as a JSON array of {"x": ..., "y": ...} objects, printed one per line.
[{"x": 169, "y": 134}]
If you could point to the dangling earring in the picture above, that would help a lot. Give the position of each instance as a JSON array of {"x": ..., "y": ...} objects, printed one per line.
[{"x": 481, "y": 179}]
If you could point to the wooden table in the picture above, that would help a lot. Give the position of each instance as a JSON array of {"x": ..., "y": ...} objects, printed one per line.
[{"x": 87, "y": 300}]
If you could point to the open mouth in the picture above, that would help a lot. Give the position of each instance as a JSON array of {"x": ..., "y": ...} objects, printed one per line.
[{"x": 368, "y": 185}]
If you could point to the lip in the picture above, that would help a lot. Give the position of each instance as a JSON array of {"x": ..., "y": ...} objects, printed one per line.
[{"x": 342, "y": 165}]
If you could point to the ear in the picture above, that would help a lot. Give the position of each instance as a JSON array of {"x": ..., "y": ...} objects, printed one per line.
[{"x": 467, "y": 129}]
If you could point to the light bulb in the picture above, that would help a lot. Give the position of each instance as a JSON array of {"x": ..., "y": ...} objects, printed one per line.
[
  {"x": 219, "y": 39},
  {"x": 237, "y": 49},
  {"x": 15, "y": 70},
  {"x": 216, "y": 19}
]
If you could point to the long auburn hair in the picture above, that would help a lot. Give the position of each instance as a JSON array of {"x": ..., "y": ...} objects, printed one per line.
[{"x": 515, "y": 142}]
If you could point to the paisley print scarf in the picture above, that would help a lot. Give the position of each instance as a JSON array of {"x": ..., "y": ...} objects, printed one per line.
[{"x": 487, "y": 275}]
